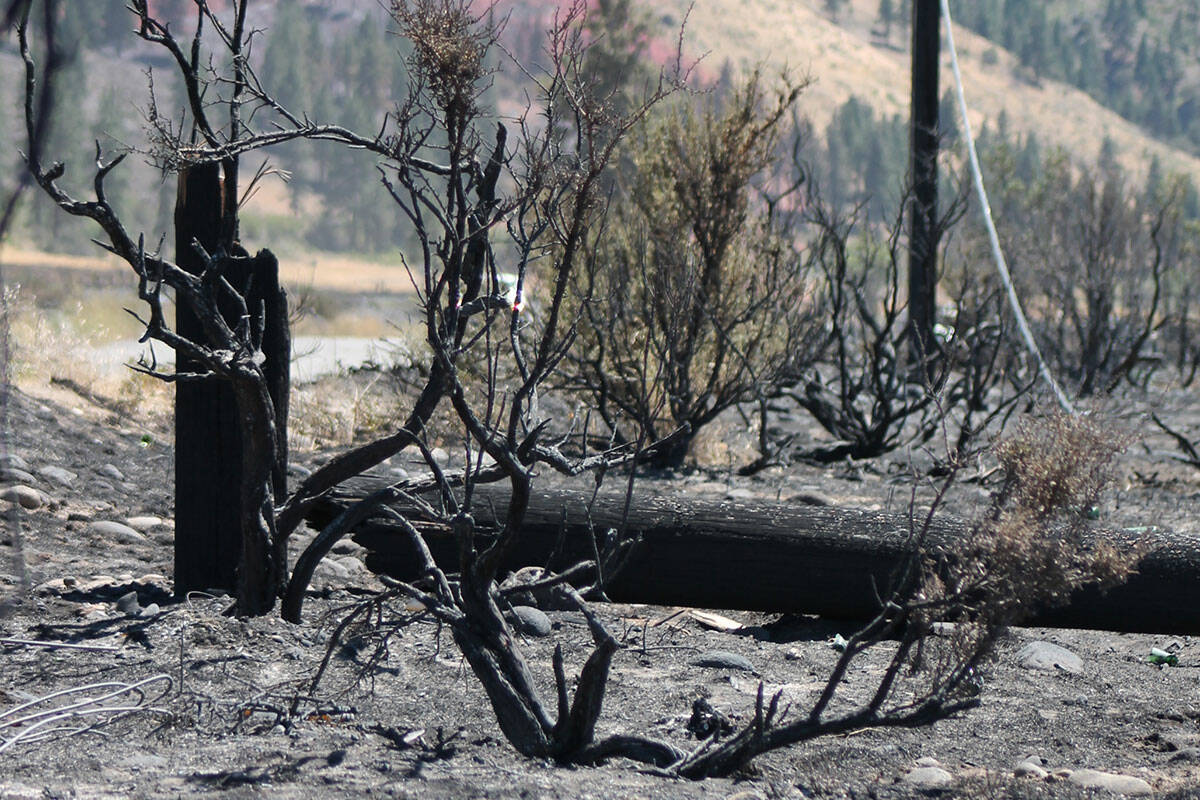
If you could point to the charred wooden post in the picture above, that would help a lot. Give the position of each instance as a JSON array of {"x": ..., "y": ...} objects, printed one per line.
[
  {"x": 208, "y": 428},
  {"x": 923, "y": 214}
]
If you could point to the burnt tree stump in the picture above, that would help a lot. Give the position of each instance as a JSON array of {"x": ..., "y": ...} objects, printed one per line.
[{"x": 208, "y": 437}]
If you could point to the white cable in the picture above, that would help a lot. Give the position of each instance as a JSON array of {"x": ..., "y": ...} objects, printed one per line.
[{"x": 1001, "y": 265}]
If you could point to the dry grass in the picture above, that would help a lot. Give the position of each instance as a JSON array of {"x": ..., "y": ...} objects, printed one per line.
[
  {"x": 341, "y": 409},
  {"x": 331, "y": 271}
]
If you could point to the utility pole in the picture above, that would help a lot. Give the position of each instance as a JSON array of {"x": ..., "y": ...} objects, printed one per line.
[{"x": 923, "y": 214}]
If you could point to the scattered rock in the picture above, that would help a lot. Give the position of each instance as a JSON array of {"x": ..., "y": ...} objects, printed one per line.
[
  {"x": 298, "y": 471},
  {"x": 723, "y": 659},
  {"x": 141, "y": 524},
  {"x": 1110, "y": 781},
  {"x": 1047, "y": 656},
  {"x": 1189, "y": 755},
  {"x": 347, "y": 547},
  {"x": 13, "y": 461},
  {"x": 927, "y": 778},
  {"x": 741, "y": 494},
  {"x": 55, "y": 586},
  {"x": 547, "y": 599},
  {"x": 116, "y": 531},
  {"x": 15, "y": 475},
  {"x": 440, "y": 456},
  {"x": 1031, "y": 768},
  {"x": 63, "y": 477},
  {"x": 111, "y": 471},
  {"x": 400, "y": 473},
  {"x": 352, "y": 563},
  {"x": 530, "y": 621},
  {"x": 25, "y": 496},
  {"x": 927, "y": 761},
  {"x": 155, "y": 580},
  {"x": 96, "y": 582},
  {"x": 128, "y": 604},
  {"x": 149, "y": 611},
  {"x": 332, "y": 568}
]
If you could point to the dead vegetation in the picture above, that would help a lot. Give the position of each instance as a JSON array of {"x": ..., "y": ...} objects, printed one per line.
[{"x": 495, "y": 204}]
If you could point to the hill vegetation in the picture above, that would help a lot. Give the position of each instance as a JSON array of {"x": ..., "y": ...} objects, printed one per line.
[{"x": 1112, "y": 82}]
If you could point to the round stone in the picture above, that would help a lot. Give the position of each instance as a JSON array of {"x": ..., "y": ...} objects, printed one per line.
[
  {"x": 530, "y": 621},
  {"x": 25, "y": 496},
  {"x": 1047, "y": 656},
  {"x": 13, "y": 461},
  {"x": 116, "y": 531},
  {"x": 111, "y": 471},
  {"x": 1110, "y": 781},
  {"x": 1031, "y": 769},
  {"x": 128, "y": 604},
  {"x": 63, "y": 477},
  {"x": 16, "y": 475},
  {"x": 927, "y": 777}
]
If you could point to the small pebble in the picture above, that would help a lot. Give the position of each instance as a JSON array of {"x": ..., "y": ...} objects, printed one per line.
[
  {"x": 299, "y": 471},
  {"x": 149, "y": 611},
  {"x": 143, "y": 523},
  {"x": 723, "y": 659},
  {"x": 440, "y": 456}
]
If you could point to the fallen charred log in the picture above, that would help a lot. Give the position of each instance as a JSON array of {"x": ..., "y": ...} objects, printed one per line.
[{"x": 768, "y": 556}]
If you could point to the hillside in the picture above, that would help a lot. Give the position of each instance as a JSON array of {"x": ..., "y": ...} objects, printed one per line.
[
  {"x": 334, "y": 201},
  {"x": 846, "y": 58}
]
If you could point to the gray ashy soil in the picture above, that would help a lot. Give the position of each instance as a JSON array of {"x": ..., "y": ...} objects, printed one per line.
[{"x": 231, "y": 712}]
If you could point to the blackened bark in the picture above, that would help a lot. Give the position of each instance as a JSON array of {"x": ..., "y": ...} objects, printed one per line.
[
  {"x": 777, "y": 557},
  {"x": 207, "y": 436},
  {"x": 923, "y": 239},
  {"x": 221, "y": 443}
]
